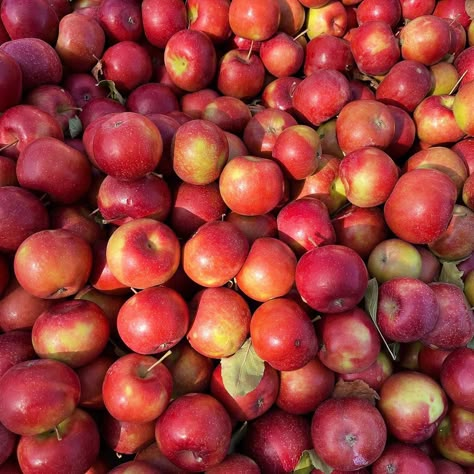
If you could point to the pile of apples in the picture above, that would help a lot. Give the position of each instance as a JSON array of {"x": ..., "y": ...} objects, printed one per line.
[{"x": 236, "y": 236}]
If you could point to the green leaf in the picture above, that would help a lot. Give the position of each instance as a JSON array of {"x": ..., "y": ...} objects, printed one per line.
[
  {"x": 371, "y": 301},
  {"x": 242, "y": 372},
  {"x": 75, "y": 126},
  {"x": 113, "y": 92},
  {"x": 309, "y": 460},
  {"x": 470, "y": 344},
  {"x": 450, "y": 273}
]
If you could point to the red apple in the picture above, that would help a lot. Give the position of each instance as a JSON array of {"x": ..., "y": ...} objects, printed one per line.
[
  {"x": 194, "y": 103},
  {"x": 11, "y": 81},
  {"x": 121, "y": 20},
  {"x": 152, "y": 98},
  {"x": 405, "y": 133},
  {"x": 254, "y": 227},
  {"x": 462, "y": 113},
  {"x": 378, "y": 10},
  {"x": 328, "y": 17},
  {"x": 210, "y": 17},
  {"x": 236, "y": 463},
  {"x": 278, "y": 94},
  {"x": 15, "y": 347},
  {"x": 229, "y": 113},
  {"x": 281, "y": 55}
]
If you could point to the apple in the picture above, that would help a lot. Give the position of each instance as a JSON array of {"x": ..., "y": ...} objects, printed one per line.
[
  {"x": 420, "y": 206},
  {"x": 60, "y": 271},
  {"x": 8, "y": 442},
  {"x": 413, "y": 405},
  {"x": 235, "y": 462},
  {"x": 121, "y": 20},
  {"x": 462, "y": 113},
  {"x": 445, "y": 78},
  {"x": 15, "y": 347},
  {"x": 331, "y": 278},
  {"x": 143, "y": 467},
  {"x": 276, "y": 440},
  {"x": 278, "y": 94},
  {"x": 152, "y": 98},
  {"x": 430, "y": 360},
  {"x": 447, "y": 466},
  {"x": 376, "y": 10},
  {"x": 430, "y": 265},
  {"x": 329, "y": 17},
  {"x": 229, "y": 113},
  {"x": 143, "y": 253},
  {"x": 7, "y": 172},
  {"x": 37, "y": 395},
  {"x": 452, "y": 9},
  {"x": 210, "y": 17},
  {"x": 399, "y": 457},
  {"x": 283, "y": 335},
  {"x": 200, "y": 151},
  {"x": 194, "y": 432},
  {"x": 463, "y": 63},
  {"x": 254, "y": 227},
  {"x": 468, "y": 192},
  {"x": 11, "y": 81},
  {"x": 292, "y": 16},
  {"x": 268, "y": 270}
]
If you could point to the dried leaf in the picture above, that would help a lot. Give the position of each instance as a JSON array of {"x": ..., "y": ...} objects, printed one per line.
[
  {"x": 355, "y": 388},
  {"x": 242, "y": 372},
  {"x": 450, "y": 273},
  {"x": 309, "y": 460},
  {"x": 469, "y": 6},
  {"x": 371, "y": 301},
  {"x": 75, "y": 126},
  {"x": 113, "y": 92},
  {"x": 97, "y": 71}
]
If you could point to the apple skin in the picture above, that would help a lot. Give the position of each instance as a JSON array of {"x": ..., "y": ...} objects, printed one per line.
[
  {"x": 37, "y": 395},
  {"x": 329, "y": 17},
  {"x": 283, "y": 335},
  {"x": 417, "y": 195},
  {"x": 413, "y": 405},
  {"x": 11, "y": 80},
  {"x": 375, "y": 10},
  {"x": 455, "y": 325},
  {"x": 74, "y": 452},
  {"x": 200, "y": 151},
  {"x": 229, "y": 113},
  {"x": 251, "y": 185},
  {"x": 210, "y": 17},
  {"x": 8, "y": 441},
  {"x": 121, "y": 20},
  {"x": 215, "y": 253},
  {"x": 278, "y": 94},
  {"x": 462, "y": 113},
  {"x": 268, "y": 271},
  {"x": 281, "y": 55},
  {"x": 331, "y": 278},
  {"x": 254, "y": 227},
  {"x": 276, "y": 440},
  {"x": 236, "y": 463},
  {"x": 407, "y": 309},
  {"x": 61, "y": 271},
  {"x": 139, "y": 241},
  {"x": 253, "y": 404},
  {"x": 468, "y": 192},
  {"x": 133, "y": 393},
  {"x": 349, "y": 341},
  {"x": 74, "y": 332},
  {"x": 401, "y": 457},
  {"x": 15, "y": 347},
  {"x": 455, "y": 379},
  {"x": 152, "y": 98},
  {"x": 220, "y": 322},
  {"x": 321, "y": 96},
  {"x": 194, "y": 432}
]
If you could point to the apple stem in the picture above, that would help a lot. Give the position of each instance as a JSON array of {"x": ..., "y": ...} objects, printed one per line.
[
  {"x": 299, "y": 35},
  {"x": 119, "y": 455},
  {"x": 134, "y": 290},
  {"x": 58, "y": 434},
  {"x": 453, "y": 90},
  {"x": 159, "y": 361},
  {"x": 4, "y": 147},
  {"x": 250, "y": 51},
  {"x": 158, "y": 175},
  {"x": 316, "y": 318}
]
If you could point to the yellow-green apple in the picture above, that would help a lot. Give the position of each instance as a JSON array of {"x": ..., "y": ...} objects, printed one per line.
[
  {"x": 276, "y": 440},
  {"x": 426, "y": 39},
  {"x": 389, "y": 12},
  {"x": 37, "y": 395},
  {"x": 407, "y": 83},
  {"x": 220, "y": 322},
  {"x": 400, "y": 457},
  {"x": 374, "y": 375},
  {"x": 22, "y": 214},
  {"x": 229, "y": 113},
  {"x": 15, "y": 346},
  {"x": 235, "y": 462},
  {"x": 153, "y": 320},
  {"x": 73, "y": 446},
  {"x": 455, "y": 242},
  {"x": 256, "y": 20},
  {"x": 115, "y": 154},
  {"x": 297, "y": 150},
  {"x": 210, "y": 17},
  {"x": 462, "y": 110},
  {"x": 394, "y": 258},
  {"x": 331, "y": 278},
  {"x": 143, "y": 253},
  {"x": 302, "y": 390},
  {"x": 268, "y": 270},
  {"x": 200, "y": 150},
  {"x": 328, "y": 18},
  {"x": 360, "y": 228},
  {"x": 455, "y": 325},
  {"x": 363, "y": 123},
  {"x": 194, "y": 432},
  {"x": 137, "y": 388},
  {"x": 368, "y": 175},
  {"x": 190, "y": 59},
  {"x": 445, "y": 77},
  {"x": 455, "y": 378},
  {"x": 251, "y": 185},
  {"x": 468, "y": 192},
  {"x": 11, "y": 82},
  {"x": 215, "y": 253},
  {"x": 254, "y": 227},
  {"x": 193, "y": 205},
  {"x": 161, "y": 19},
  {"x": 264, "y": 128},
  {"x": 421, "y": 205},
  {"x": 61, "y": 271},
  {"x": 281, "y": 55},
  {"x": 152, "y": 98},
  {"x": 435, "y": 121},
  {"x": 283, "y": 335},
  {"x": 74, "y": 332},
  {"x": 413, "y": 405},
  {"x": 254, "y": 403},
  {"x": 348, "y": 433},
  {"x": 304, "y": 224},
  {"x": 374, "y": 47},
  {"x": 407, "y": 309},
  {"x": 240, "y": 74},
  {"x": 191, "y": 371},
  {"x": 349, "y": 341},
  {"x": 454, "y": 436},
  {"x": 80, "y": 41},
  {"x": 278, "y": 94},
  {"x": 321, "y": 95}
]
